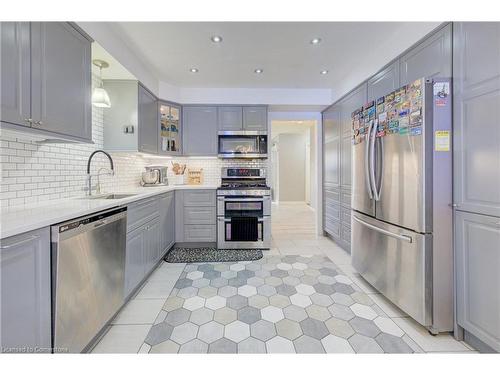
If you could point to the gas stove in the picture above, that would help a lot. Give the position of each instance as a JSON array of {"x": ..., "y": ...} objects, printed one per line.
[{"x": 243, "y": 181}]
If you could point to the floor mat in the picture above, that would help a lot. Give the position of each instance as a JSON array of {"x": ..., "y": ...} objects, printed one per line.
[{"x": 210, "y": 254}]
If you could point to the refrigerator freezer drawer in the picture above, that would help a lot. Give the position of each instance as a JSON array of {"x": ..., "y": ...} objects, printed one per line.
[{"x": 397, "y": 262}]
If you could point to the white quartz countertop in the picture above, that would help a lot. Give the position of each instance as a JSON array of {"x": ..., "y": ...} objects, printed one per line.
[{"x": 24, "y": 218}]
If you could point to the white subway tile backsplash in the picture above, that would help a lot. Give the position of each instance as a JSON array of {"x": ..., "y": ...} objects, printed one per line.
[{"x": 33, "y": 172}]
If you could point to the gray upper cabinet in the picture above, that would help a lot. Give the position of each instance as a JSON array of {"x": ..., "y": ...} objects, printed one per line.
[
  {"x": 230, "y": 118},
  {"x": 199, "y": 130},
  {"x": 25, "y": 291},
  {"x": 476, "y": 83},
  {"x": 15, "y": 99},
  {"x": 46, "y": 80},
  {"x": 431, "y": 58},
  {"x": 353, "y": 101},
  {"x": 255, "y": 118},
  {"x": 148, "y": 121},
  {"x": 384, "y": 82},
  {"x": 477, "y": 252},
  {"x": 61, "y": 79}
]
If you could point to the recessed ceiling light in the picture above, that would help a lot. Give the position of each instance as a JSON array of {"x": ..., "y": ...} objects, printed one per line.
[
  {"x": 316, "y": 41},
  {"x": 258, "y": 71},
  {"x": 216, "y": 39},
  {"x": 193, "y": 70},
  {"x": 324, "y": 72}
]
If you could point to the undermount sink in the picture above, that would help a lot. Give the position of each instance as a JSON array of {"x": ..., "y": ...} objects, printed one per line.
[{"x": 109, "y": 196}]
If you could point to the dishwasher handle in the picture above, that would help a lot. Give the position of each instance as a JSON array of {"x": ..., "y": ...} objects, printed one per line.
[{"x": 91, "y": 222}]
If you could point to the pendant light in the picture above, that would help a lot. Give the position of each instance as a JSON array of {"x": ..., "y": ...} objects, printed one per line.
[{"x": 100, "y": 97}]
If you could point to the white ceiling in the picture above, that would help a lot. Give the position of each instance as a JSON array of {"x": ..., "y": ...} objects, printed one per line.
[
  {"x": 115, "y": 69},
  {"x": 282, "y": 49}
]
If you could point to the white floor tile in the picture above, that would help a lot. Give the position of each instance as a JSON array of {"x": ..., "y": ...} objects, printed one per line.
[
  {"x": 441, "y": 343},
  {"x": 123, "y": 339},
  {"x": 140, "y": 311},
  {"x": 156, "y": 289}
]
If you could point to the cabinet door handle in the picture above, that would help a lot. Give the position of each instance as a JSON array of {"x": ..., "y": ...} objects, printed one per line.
[
  {"x": 28, "y": 120},
  {"x": 26, "y": 240}
]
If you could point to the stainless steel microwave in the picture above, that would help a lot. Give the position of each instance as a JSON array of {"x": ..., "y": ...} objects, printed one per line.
[{"x": 243, "y": 144}]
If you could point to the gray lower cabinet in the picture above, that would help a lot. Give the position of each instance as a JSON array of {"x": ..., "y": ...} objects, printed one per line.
[
  {"x": 25, "y": 292},
  {"x": 476, "y": 106},
  {"x": 230, "y": 118},
  {"x": 255, "y": 118},
  {"x": 167, "y": 222},
  {"x": 430, "y": 58},
  {"x": 46, "y": 80},
  {"x": 143, "y": 249},
  {"x": 195, "y": 216},
  {"x": 134, "y": 259},
  {"x": 199, "y": 136},
  {"x": 477, "y": 248},
  {"x": 148, "y": 121}
]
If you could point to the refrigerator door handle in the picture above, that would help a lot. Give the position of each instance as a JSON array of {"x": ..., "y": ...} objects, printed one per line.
[
  {"x": 381, "y": 179},
  {"x": 373, "y": 181},
  {"x": 367, "y": 161},
  {"x": 401, "y": 237}
]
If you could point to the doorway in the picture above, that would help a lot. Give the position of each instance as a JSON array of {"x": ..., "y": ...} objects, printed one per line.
[{"x": 294, "y": 169}]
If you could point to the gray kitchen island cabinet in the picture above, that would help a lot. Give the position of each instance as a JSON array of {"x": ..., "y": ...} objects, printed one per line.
[
  {"x": 25, "y": 292},
  {"x": 199, "y": 136},
  {"x": 46, "y": 80},
  {"x": 147, "y": 121}
]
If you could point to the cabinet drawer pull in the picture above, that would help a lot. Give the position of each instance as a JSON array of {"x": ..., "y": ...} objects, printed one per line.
[{"x": 26, "y": 240}]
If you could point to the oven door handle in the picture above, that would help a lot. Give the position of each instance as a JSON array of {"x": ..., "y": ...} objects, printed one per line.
[
  {"x": 222, "y": 199},
  {"x": 228, "y": 220}
]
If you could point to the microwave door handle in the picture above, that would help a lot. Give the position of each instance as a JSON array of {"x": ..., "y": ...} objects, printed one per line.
[
  {"x": 367, "y": 161},
  {"x": 373, "y": 181}
]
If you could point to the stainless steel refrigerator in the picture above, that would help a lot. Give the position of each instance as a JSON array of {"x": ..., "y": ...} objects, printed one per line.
[{"x": 401, "y": 199}]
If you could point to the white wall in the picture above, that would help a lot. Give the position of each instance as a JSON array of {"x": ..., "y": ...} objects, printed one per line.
[{"x": 291, "y": 173}]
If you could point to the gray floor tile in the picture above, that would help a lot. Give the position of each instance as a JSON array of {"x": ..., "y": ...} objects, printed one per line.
[
  {"x": 178, "y": 317},
  {"x": 194, "y": 347},
  {"x": 295, "y": 313},
  {"x": 183, "y": 333},
  {"x": 201, "y": 316},
  {"x": 339, "y": 327},
  {"x": 314, "y": 328},
  {"x": 288, "y": 329},
  {"x": 306, "y": 344},
  {"x": 225, "y": 315},
  {"x": 210, "y": 332},
  {"x": 223, "y": 346},
  {"x": 165, "y": 347},
  {"x": 237, "y": 302},
  {"x": 341, "y": 312},
  {"x": 363, "y": 344},
  {"x": 249, "y": 314},
  {"x": 251, "y": 346},
  {"x": 159, "y": 333},
  {"x": 364, "y": 326},
  {"x": 392, "y": 344},
  {"x": 263, "y": 330}
]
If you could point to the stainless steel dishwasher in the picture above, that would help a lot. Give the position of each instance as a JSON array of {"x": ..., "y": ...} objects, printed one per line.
[{"x": 88, "y": 265}]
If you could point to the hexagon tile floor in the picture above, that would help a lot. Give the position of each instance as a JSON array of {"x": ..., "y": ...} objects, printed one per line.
[{"x": 279, "y": 304}]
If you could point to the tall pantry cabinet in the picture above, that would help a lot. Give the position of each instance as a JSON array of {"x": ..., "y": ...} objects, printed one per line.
[{"x": 476, "y": 81}]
